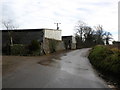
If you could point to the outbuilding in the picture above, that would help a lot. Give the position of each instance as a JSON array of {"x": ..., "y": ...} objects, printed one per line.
[
  {"x": 25, "y": 36},
  {"x": 69, "y": 42}
]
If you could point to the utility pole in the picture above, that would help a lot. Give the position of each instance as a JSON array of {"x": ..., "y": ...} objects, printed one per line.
[{"x": 57, "y": 25}]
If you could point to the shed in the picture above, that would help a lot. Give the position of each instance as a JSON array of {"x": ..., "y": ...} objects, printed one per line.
[{"x": 69, "y": 42}]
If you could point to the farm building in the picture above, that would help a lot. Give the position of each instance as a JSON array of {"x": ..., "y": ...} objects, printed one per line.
[
  {"x": 69, "y": 42},
  {"x": 26, "y": 36}
]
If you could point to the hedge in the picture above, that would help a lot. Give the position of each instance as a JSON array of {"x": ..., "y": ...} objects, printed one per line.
[
  {"x": 18, "y": 49},
  {"x": 106, "y": 60}
]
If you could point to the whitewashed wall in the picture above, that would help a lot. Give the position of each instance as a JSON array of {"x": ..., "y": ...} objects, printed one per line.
[
  {"x": 53, "y": 34},
  {"x": 73, "y": 39}
]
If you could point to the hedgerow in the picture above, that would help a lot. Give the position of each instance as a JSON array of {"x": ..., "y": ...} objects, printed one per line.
[{"x": 105, "y": 59}]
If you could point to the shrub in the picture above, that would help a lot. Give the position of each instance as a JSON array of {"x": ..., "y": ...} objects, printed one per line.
[
  {"x": 6, "y": 50},
  {"x": 34, "y": 46},
  {"x": 18, "y": 49},
  {"x": 106, "y": 60}
]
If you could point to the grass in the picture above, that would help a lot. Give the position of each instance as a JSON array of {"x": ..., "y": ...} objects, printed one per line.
[{"x": 107, "y": 61}]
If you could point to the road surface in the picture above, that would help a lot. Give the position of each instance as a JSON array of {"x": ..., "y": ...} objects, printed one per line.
[{"x": 68, "y": 70}]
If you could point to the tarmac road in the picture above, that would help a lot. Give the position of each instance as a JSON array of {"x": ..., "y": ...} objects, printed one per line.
[{"x": 68, "y": 70}]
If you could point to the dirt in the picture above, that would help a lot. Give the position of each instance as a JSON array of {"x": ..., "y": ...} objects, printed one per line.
[{"x": 11, "y": 63}]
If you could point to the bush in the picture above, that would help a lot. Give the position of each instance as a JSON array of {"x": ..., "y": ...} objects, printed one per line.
[
  {"x": 6, "y": 50},
  {"x": 24, "y": 50},
  {"x": 34, "y": 46},
  {"x": 106, "y": 60},
  {"x": 18, "y": 49}
]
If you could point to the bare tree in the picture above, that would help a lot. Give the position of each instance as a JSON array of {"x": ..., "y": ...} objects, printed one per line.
[
  {"x": 80, "y": 29},
  {"x": 9, "y": 27},
  {"x": 99, "y": 34},
  {"x": 87, "y": 36},
  {"x": 79, "y": 33},
  {"x": 107, "y": 37}
]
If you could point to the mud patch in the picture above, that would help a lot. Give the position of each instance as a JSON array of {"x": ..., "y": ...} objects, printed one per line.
[
  {"x": 53, "y": 58},
  {"x": 68, "y": 61},
  {"x": 82, "y": 68},
  {"x": 46, "y": 62}
]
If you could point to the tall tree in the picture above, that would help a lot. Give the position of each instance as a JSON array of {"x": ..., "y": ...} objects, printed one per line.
[
  {"x": 107, "y": 37},
  {"x": 88, "y": 36},
  {"x": 99, "y": 34},
  {"x": 80, "y": 29},
  {"x": 79, "y": 33}
]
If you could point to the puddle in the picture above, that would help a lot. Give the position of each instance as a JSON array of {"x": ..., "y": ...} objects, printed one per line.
[
  {"x": 68, "y": 62},
  {"x": 82, "y": 68},
  {"x": 58, "y": 57},
  {"x": 54, "y": 58},
  {"x": 46, "y": 62}
]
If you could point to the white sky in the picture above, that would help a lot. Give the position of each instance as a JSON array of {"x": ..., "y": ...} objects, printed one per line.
[{"x": 44, "y": 13}]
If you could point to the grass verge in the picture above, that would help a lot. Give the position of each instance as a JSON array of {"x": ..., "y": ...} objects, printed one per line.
[{"x": 107, "y": 61}]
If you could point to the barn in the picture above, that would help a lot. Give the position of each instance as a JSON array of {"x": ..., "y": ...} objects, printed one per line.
[
  {"x": 69, "y": 42},
  {"x": 25, "y": 36}
]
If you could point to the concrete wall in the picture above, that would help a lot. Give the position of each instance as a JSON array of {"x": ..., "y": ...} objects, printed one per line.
[
  {"x": 73, "y": 43},
  {"x": 73, "y": 40},
  {"x": 53, "y": 34}
]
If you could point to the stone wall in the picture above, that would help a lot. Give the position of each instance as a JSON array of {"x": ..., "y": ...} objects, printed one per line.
[
  {"x": 73, "y": 46},
  {"x": 49, "y": 44},
  {"x": 46, "y": 49},
  {"x": 60, "y": 46}
]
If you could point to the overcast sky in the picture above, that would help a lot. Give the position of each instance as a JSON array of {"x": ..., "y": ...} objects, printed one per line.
[{"x": 44, "y": 13}]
